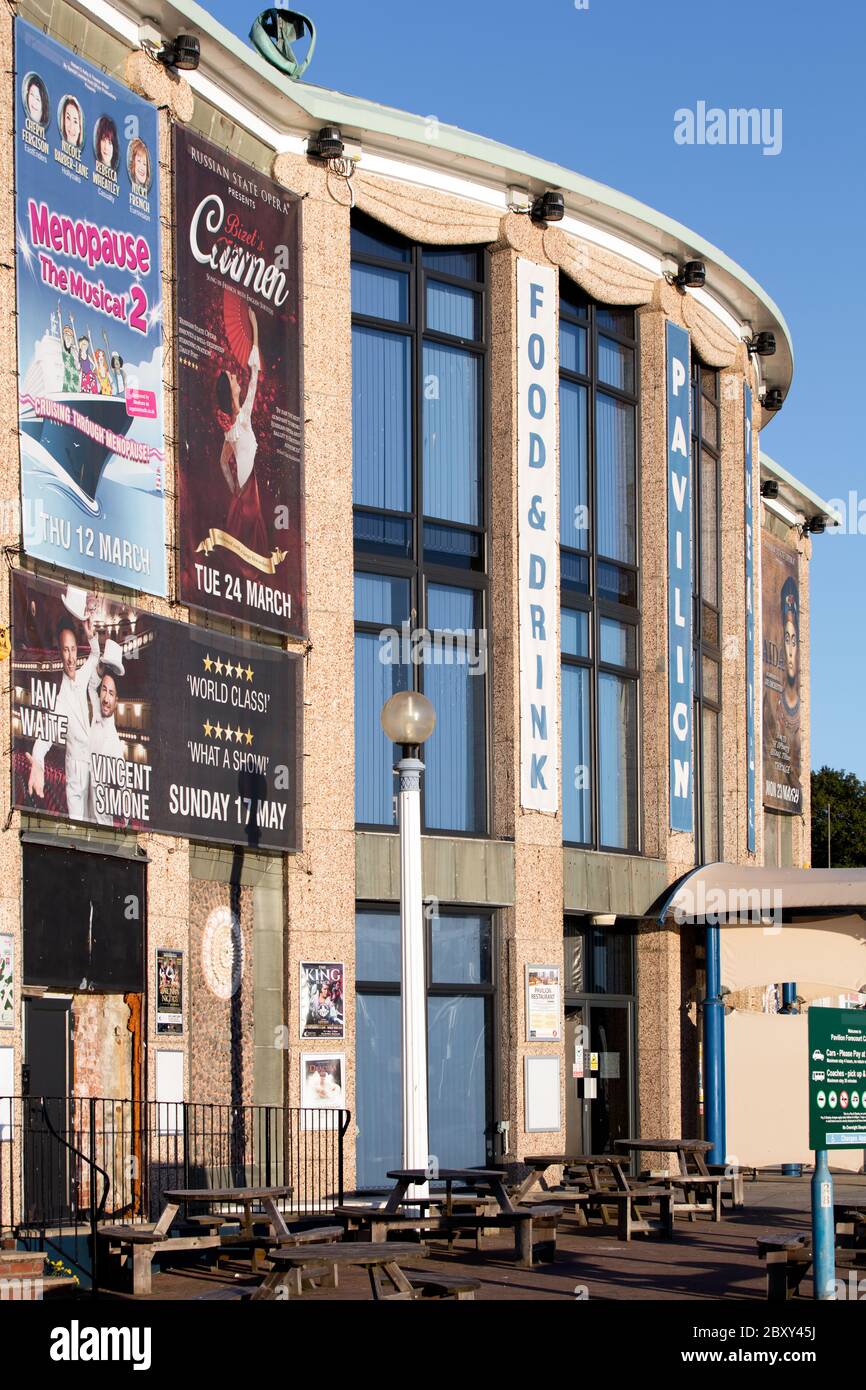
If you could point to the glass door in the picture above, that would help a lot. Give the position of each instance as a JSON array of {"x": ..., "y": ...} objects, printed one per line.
[{"x": 599, "y": 1090}]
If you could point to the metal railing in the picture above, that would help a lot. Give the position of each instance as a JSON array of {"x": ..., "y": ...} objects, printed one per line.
[{"x": 67, "y": 1163}]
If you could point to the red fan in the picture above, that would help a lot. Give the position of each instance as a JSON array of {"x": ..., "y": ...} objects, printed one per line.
[{"x": 238, "y": 328}]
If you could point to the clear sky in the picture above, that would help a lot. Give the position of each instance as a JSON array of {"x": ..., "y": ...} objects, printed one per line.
[{"x": 596, "y": 90}]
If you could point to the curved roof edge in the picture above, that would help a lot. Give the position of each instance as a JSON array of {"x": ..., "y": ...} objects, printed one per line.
[{"x": 228, "y": 61}]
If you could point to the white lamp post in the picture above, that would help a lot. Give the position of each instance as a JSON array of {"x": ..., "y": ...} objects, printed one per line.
[{"x": 408, "y": 719}]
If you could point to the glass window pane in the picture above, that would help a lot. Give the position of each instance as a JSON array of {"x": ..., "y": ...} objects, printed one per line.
[
  {"x": 379, "y": 598},
  {"x": 452, "y": 435},
  {"x": 572, "y": 301},
  {"x": 454, "y": 671},
  {"x": 457, "y": 1079},
  {"x": 618, "y": 643},
  {"x": 710, "y": 783},
  {"x": 380, "y": 293},
  {"x": 574, "y": 572},
  {"x": 370, "y": 244},
  {"x": 377, "y": 946},
  {"x": 619, "y": 321},
  {"x": 447, "y": 546},
  {"x": 381, "y": 420},
  {"x": 382, "y": 535},
  {"x": 709, "y": 530},
  {"x": 617, "y": 734},
  {"x": 575, "y": 959},
  {"x": 378, "y": 1070},
  {"x": 615, "y": 364},
  {"x": 453, "y": 310},
  {"x": 461, "y": 950},
  {"x": 463, "y": 264},
  {"x": 572, "y": 347},
  {"x": 375, "y": 682},
  {"x": 609, "y": 952},
  {"x": 573, "y": 466},
  {"x": 576, "y": 756},
  {"x": 616, "y": 479},
  {"x": 710, "y": 625},
  {"x": 617, "y": 585},
  {"x": 574, "y": 632},
  {"x": 711, "y": 681},
  {"x": 709, "y": 423}
]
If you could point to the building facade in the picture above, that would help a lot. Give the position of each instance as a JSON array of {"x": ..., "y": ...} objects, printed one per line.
[{"x": 532, "y": 487}]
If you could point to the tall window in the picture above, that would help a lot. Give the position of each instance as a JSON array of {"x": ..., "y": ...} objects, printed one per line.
[
  {"x": 708, "y": 602},
  {"x": 599, "y": 572},
  {"x": 418, "y": 458},
  {"x": 460, "y": 990}
]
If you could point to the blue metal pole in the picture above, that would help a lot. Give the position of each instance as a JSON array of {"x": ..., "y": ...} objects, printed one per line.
[
  {"x": 714, "y": 1050},
  {"x": 789, "y": 1006},
  {"x": 823, "y": 1232}
]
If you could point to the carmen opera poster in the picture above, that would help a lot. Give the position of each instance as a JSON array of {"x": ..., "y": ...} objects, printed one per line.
[
  {"x": 124, "y": 719},
  {"x": 780, "y": 614},
  {"x": 88, "y": 270},
  {"x": 240, "y": 498}
]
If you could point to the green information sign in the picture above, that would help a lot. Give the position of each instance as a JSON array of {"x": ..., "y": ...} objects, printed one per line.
[{"x": 837, "y": 1079}]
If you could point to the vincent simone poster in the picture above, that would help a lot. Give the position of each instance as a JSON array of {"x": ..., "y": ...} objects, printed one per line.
[
  {"x": 124, "y": 719},
  {"x": 240, "y": 498},
  {"x": 88, "y": 271},
  {"x": 780, "y": 613}
]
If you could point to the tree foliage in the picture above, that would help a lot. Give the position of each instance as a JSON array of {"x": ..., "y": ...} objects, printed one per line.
[{"x": 845, "y": 794}]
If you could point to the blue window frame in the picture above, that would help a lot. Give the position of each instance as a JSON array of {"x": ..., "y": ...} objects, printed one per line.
[
  {"x": 706, "y": 466},
  {"x": 600, "y": 636},
  {"x": 460, "y": 1046},
  {"x": 419, "y": 492}
]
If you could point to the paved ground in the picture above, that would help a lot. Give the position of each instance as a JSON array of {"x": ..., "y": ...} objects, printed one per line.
[{"x": 703, "y": 1261}]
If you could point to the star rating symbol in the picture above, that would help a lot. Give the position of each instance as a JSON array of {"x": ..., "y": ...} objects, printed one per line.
[
  {"x": 249, "y": 673},
  {"x": 218, "y": 667},
  {"x": 207, "y": 662},
  {"x": 208, "y": 728},
  {"x": 238, "y": 734},
  {"x": 218, "y": 731},
  {"x": 249, "y": 735}
]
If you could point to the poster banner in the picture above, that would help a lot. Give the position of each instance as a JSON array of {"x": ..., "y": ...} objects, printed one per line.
[
  {"x": 323, "y": 1088},
  {"x": 543, "y": 1003},
  {"x": 538, "y": 535},
  {"x": 169, "y": 992},
  {"x": 680, "y": 579},
  {"x": 751, "y": 679},
  {"x": 7, "y": 996},
  {"x": 780, "y": 619},
  {"x": 124, "y": 719},
  {"x": 89, "y": 270},
  {"x": 321, "y": 999},
  {"x": 239, "y": 374}
]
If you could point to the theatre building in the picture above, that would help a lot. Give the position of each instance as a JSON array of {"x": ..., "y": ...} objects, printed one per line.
[{"x": 347, "y": 401}]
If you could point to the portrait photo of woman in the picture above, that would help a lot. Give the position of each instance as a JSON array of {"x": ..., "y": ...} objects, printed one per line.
[
  {"x": 244, "y": 519},
  {"x": 71, "y": 122},
  {"x": 138, "y": 165},
  {"x": 105, "y": 143},
  {"x": 35, "y": 95}
]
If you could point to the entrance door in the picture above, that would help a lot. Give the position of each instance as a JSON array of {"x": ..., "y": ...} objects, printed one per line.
[
  {"x": 48, "y": 1075},
  {"x": 598, "y": 1103}
]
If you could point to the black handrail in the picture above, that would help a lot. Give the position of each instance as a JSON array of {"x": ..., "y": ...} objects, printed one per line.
[{"x": 96, "y": 1211}]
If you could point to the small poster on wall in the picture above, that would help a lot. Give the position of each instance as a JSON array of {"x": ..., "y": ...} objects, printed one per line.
[
  {"x": 321, "y": 999},
  {"x": 7, "y": 1006},
  {"x": 323, "y": 1085},
  {"x": 169, "y": 992},
  {"x": 543, "y": 1003}
]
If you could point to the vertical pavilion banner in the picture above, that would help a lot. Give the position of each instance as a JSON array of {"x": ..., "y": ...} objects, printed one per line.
[
  {"x": 239, "y": 374},
  {"x": 680, "y": 580},
  {"x": 748, "y": 453},
  {"x": 780, "y": 626},
  {"x": 89, "y": 318},
  {"x": 127, "y": 720},
  {"x": 537, "y": 535}
]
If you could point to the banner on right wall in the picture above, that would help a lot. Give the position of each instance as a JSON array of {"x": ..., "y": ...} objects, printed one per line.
[{"x": 780, "y": 612}]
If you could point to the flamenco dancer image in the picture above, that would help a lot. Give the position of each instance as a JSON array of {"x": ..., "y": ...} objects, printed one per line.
[
  {"x": 244, "y": 520},
  {"x": 72, "y": 703},
  {"x": 782, "y": 708}
]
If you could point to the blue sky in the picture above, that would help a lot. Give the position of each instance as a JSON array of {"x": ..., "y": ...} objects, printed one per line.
[{"x": 596, "y": 90}]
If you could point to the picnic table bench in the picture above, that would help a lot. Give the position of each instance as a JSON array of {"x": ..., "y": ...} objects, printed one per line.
[
  {"x": 382, "y": 1261},
  {"x": 605, "y": 1188},
  {"x": 701, "y": 1189},
  {"x": 788, "y": 1256}
]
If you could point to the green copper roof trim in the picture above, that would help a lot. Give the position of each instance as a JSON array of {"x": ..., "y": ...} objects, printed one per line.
[
  {"x": 336, "y": 108},
  {"x": 807, "y": 495}
]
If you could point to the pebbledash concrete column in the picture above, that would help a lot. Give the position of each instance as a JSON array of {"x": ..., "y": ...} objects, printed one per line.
[{"x": 532, "y": 930}]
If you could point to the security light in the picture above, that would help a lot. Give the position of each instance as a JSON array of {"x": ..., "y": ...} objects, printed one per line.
[
  {"x": 547, "y": 207},
  {"x": 182, "y": 53},
  {"x": 773, "y": 399},
  {"x": 817, "y": 525},
  {"x": 692, "y": 276},
  {"x": 326, "y": 144},
  {"x": 770, "y": 489},
  {"x": 764, "y": 344}
]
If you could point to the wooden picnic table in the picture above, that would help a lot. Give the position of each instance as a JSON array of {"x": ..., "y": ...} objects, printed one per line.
[
  {"x": 488, "y": 1181},
  {"x": 701, "y": 1188},
  {"x": 245, "y": 1197},
  {"x": 600, "y": 1170},
  {"x": 625, "y": 1194},
  {"x": 383, "y": 1261}
]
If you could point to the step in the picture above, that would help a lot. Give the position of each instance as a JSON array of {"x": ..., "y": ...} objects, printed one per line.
[{"x": 18, "y": 1264}]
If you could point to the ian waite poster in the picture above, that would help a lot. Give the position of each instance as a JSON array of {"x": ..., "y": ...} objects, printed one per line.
[
  {"x": 128, "y": 720},
  {"x": 89, "y": 318},
  {"x": 240, "y": 499}
]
